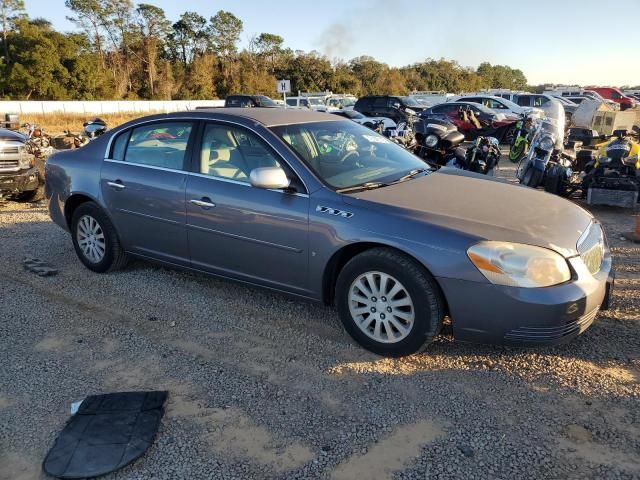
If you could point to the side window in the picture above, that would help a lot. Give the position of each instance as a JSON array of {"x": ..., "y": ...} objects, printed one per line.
[
  {"x": 523, "y": 101},
  {"x": 231, "y": 153},
  {"x": 159, "y": 145},
  {"x": 292, "y": 102},
  {"x": 379, "y": 102},
  {"x": 304, "y": 102},
  {"x": 120, "y": 145},
  {"x": 540, "y": 101}
]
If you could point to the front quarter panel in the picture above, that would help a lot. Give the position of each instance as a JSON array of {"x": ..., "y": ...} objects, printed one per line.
[{"x": 333, "y": 225}]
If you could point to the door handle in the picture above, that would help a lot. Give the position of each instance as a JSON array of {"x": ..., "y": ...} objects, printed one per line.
[
  {"x": 117, "y": 184},
  {"x": 205, "y": 203}
]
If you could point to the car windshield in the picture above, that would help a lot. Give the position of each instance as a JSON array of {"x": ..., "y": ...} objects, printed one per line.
[
  {"x": 340, "y": 102},
  {"x": 353, "y": 114},
  {"x": 411, "y": 102},
  {"x": 511, "y": 105},
  {"x": 265, "y": 101},
  {"x": 316, "y": 101},
  {"x": 345, "y": 155}
]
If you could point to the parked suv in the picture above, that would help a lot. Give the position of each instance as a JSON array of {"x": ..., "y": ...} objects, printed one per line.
[
  {"x": 544, "y": 101},
  {"x": 392, "y": 107},
  {"x": 249, "y": 101},
  {"x": 18, "y": 173}
]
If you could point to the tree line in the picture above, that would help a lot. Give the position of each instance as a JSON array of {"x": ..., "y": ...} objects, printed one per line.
[{"x": 132, "y": 51}]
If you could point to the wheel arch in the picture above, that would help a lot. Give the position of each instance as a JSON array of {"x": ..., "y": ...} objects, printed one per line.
[
  {"x": 73, "y": 202},
  {"x": 340, "y": 258}
]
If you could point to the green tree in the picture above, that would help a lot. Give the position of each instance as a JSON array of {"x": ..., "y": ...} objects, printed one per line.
[
  {"x": 10, "y": 11},
  {"x": 225, "y": 30},
  {"x": 153, "y": 28},
  {"x": 189, "y": 37}
]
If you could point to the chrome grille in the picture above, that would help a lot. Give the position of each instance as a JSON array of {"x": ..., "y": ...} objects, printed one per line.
[
  {"x": 591, "y": 247},
  {"x": 9, "y": 150},
  {"x": 8, "y": 164}
]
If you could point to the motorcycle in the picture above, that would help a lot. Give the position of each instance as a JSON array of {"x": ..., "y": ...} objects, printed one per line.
[
  {"x": 94, "y": 128},
  {"x": 38, "y": 142},
  {"x": 438, "y": 141},
  {"x": 404, "y": 133},
  {"x": 520, "y": 143},
  {"x": 547, "y": 143},
  {"x": 614, "y": 176},
  {"x": 480, "y": 157}
]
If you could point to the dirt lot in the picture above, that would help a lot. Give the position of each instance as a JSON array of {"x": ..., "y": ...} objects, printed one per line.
[{"x": 262, "y": 386}]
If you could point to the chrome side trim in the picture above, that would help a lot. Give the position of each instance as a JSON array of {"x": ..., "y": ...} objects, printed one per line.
[
  {"x": 152, "y": 167},
  {"x": 151, "y": 217},
  {"x": 247, "y": 239},
  {"x": 202, "y": 175}
]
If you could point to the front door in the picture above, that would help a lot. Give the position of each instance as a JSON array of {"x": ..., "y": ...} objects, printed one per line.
[
  {"x": 143, "y": 185},
  {"x": 237, "y": 230}
]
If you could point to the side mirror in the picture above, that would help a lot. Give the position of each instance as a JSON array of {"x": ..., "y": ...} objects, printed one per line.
[{"x": 269, "y": 178}]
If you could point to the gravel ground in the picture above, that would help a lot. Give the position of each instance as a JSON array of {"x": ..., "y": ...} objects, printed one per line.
[{"x": 264, "y": 387}]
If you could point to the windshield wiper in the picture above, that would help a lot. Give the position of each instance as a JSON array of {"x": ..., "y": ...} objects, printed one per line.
[
  {"x": 411, "y": 174},
  {"x": 363, "y": 186}
]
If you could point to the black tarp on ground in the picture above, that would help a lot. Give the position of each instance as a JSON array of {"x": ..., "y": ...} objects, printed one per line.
[{"x": 108, "y": 432}]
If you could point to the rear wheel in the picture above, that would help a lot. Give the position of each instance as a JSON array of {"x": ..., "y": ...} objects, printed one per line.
[
  {"x": 95, "y": 239},
  {"x": 389, "y": 303}
]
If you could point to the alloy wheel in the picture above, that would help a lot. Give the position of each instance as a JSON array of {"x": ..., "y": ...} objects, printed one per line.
[
  {"x": 381, "y": 307},
  {"x": 91, "y": 239}
]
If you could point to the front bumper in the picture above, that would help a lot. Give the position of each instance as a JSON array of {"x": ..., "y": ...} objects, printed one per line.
[
  {"x": 487, "y": 313},
  {"x": 17, "y": 182}
]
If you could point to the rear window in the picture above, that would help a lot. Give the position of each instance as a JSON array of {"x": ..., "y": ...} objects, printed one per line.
[
  {"x": 159, "y": 145},
  {"x": 120, "y": 145}
]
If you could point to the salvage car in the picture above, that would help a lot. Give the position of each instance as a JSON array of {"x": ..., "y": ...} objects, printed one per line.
[
  {"x": 19, "y": 177},
  {"x": 320, "y": 207},
  {"x": 393, "y": 107},
  {"x": 364, "y": 120}
]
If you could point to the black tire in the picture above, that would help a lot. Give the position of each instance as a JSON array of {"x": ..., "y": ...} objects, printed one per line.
[
  {"x": 114, "y": 257},
  {"x": 419, "y": 285},
  {"x": 28, "y": 196},
  {"x": 532, "y": 177},
  {"x": 509, "y": 135}
]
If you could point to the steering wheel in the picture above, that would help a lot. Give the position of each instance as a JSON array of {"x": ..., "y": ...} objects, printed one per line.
[{"x": 351, "y": 156}]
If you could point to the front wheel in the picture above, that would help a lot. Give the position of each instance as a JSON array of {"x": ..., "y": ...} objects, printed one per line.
[
  {"x": 532, "y": 177},
  {"x": 389, "y": 303}
]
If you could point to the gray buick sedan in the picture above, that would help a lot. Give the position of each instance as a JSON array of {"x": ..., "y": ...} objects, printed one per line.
[{"x": 322, "y": 208}]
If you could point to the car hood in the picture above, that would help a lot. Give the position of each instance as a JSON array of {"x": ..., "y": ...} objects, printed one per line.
[{"x": 483, "y": 208}]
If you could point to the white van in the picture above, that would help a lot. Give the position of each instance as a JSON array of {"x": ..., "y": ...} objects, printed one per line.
[{"x": 312, "y": 103}]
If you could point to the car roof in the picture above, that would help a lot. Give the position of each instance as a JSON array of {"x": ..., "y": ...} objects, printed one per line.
[{"x": 268, "y": 117}]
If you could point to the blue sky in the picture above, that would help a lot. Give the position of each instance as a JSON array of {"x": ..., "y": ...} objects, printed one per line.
[{"x": 570, "y": 41}]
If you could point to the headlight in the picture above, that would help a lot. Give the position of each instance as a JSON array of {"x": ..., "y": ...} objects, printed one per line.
[
  {"x": 27, "y": 160},
  {"x": 547, "y": 143},
  {"x": 431, "y": 141},
  {"x": 519, "y": 265}
]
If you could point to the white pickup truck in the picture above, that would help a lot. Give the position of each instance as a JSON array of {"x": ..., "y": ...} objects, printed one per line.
[{"x": 19, "y": 176}]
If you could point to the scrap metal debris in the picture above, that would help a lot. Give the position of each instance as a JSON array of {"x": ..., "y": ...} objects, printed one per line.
[{"x": 39, "y": 267}]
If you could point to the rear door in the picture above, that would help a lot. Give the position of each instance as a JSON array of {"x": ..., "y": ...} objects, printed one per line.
[
  {"x": 237, "y": 230},
  {"x": 143, "y": 185}
]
